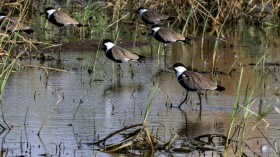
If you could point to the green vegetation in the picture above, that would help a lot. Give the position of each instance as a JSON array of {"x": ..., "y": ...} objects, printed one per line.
[{"x": 106, "y": 19}]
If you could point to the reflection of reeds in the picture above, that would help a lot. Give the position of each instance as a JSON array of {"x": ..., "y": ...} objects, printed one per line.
[{"x": 236, "y": 129}]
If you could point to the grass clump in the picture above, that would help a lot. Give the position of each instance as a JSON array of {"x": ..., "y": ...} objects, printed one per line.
[
  {"x": 249, "y": 112},
  {"x": 92, "y": 15},
  {"x": 9, "y": 40},
  {"x": 138, "y": 137}
]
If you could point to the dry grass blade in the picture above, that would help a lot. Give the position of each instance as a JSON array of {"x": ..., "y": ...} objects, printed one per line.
[
  {"x": 116, "y": 132},
  {"x": 49, "y": 114}
]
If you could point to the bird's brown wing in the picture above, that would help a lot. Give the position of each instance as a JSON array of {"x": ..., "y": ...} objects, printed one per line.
[
  {"x": 14, "y": 24},
  {"x": 195, "y": 80},
  {"x": 154, "y": 16},
  {"x": 64, "y": 18},
  {"x": 123, "y": 54},
  {"x": 18, "y": 26},
  {"x": 170, "y": 35}
]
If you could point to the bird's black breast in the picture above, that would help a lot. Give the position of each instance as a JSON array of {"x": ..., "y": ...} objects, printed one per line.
[
  {"x": 109, "y": 54},
  {"x": 146, "y": 20},
  {"x": 185, "y": 82},
  {"x": 53, "y": 20},
  {"x": 160, "y": 38}
]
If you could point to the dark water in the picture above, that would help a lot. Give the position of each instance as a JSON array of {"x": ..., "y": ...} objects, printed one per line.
[{"x": 105, "y": 102}]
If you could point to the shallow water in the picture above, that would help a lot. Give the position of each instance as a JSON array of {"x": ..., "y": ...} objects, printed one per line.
[{"x": 105, "y": 102}]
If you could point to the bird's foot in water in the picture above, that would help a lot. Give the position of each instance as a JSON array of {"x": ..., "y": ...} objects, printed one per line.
[{"x": 170, "y": 105}]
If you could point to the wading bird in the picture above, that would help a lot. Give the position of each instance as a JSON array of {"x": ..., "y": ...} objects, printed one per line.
[
  {"x": 14, "y": 24},
  {"x": 151, "y": 16},
  {"x": 60, "y": 19},
  {"x": 193, "y": 81},
  {"x": 118, "y": 54},
  {"x": 166, "y": 35}
]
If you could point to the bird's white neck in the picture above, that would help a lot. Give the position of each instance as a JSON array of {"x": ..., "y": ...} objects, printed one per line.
[
  {"x": 1, "y": 17},
  {"x": 50, "y": 12},
  {"x": 142, "y": 11},
  {"x": 109, "y": 45},
  {"x": 155, "y": 29},
  {"x": 179, "y": 71}
]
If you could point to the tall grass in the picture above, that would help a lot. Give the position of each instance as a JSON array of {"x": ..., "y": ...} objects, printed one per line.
[
  {"x": 236, "y": 130},
  {"x": 8, "y": 42},
  {"x": 104, "y": 31},
  {"x": 150, "y": 99},
  {"x": 217, "y": 43}
]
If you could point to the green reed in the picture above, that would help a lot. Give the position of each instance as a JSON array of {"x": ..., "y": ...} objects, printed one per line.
[
  {"x": 217, "y": 41},
  {"x": 246, "y": 106},
  {"x": 93, "y": 17},
  {"x": 190, "y": 14},
  {"x": 234, "y": 111},
  {"x": 149, "y": 101},
  {"x": 8, "y": 42}
]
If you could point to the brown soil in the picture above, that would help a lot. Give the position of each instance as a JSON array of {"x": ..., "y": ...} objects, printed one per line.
[{"x": 87, "y": 45}]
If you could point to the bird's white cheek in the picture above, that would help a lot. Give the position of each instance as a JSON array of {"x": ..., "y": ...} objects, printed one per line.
[{"x": 50, "y": 12}]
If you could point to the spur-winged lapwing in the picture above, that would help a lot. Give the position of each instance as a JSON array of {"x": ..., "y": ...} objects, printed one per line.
[
  {"x": 59, "y": 18},
  {"x": 166, "y": 35},
  {"x": 118, "y": 54},
  {"x": 14, "y": 24},
  {"x": 151, "y": 16},
  {"x": 193, "y": 81}
]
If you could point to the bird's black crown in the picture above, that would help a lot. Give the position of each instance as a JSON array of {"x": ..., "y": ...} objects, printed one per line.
[
  {"x": 3, "y": 14},
  {"x": 107, "y": 41},
  {"x": 140, "y": 8},
  {"x": 178, "y": 65},
  {"x": 156, "y": 25},
  {"x": 49, "y": 8}
]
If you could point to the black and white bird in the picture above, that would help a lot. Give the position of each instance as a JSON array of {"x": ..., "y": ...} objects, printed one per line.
[
  {"x": 151, "y": 16},
  {"x": 118, "y": 54},
  {"x": 14, "y": 24},
  {"x": 166, "y": 35},
  {"x": 193, "y": 81},
  {"x": 59, "y": 18}
]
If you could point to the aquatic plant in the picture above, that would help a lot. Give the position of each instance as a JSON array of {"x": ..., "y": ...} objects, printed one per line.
[
  {"x": 93, "y": 17},
  {"x": 8, "y": 42},
  {"x": 236, "y": 130},
  {"x": 140, "y": 138}
]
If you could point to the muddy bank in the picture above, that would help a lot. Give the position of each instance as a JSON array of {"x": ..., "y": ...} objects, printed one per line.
[{"x": 87, "y": 45}]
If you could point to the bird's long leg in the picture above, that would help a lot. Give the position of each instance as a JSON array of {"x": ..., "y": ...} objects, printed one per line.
[
  {"x": 206, "y": 95},
  {"x": 186, "y": 98},
  {"x": 119, "y": 67},
  {"x": 131, "y": 70},
  {"x": 165, "y": 57},
  {"x": 59, "y": 39},
  {"x": 199, "y": 96},
  {"x": 119, "y": 70}
]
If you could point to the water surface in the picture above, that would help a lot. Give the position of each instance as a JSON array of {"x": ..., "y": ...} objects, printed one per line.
[{"x": 107, "y": 100}]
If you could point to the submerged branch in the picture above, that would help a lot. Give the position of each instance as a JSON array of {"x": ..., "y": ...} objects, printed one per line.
[{"x": 116, "y": 132}]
